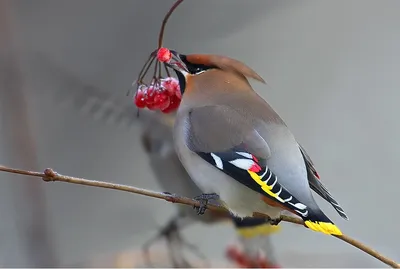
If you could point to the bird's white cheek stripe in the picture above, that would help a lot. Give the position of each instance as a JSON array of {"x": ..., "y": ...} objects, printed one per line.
[{"x": 218, "y": 161}]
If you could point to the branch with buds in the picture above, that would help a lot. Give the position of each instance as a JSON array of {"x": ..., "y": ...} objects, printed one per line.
[{"x": 49, "y": 175}]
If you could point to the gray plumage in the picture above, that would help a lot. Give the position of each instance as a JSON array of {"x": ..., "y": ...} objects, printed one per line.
[
  {"x": 172, "y": 177},
  {"x": 229, "y": 118},
  {"x": 219, "y": 112}
]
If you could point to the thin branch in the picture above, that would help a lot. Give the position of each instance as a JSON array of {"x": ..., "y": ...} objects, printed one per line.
[
  {"x": 165, "y": 20},
  {"x": 50, "y": 175}
]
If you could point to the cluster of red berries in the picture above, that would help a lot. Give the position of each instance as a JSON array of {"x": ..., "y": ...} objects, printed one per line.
[{"x": 164, "y": 95}]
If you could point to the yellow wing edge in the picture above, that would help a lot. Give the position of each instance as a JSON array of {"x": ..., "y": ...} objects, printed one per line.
[{"x": 323, "y": 227}]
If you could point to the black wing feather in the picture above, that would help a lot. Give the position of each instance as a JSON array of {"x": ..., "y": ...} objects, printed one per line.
[
  {"x": 257, "y": 176},
  {"x": 317, "y": 186}
]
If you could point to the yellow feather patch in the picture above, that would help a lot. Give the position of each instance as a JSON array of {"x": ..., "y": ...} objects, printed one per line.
[
  {"x": 323, "y": 227},
  {"x": 263, "y": 229},
  {"x": 267, "y": 189}
]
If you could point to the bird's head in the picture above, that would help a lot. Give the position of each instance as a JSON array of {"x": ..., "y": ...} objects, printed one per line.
[
  {"x": 196, "y": 64},
  {"x": 183, "y": 65}
]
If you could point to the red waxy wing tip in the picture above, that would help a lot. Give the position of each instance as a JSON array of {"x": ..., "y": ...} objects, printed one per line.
[{"x": 164, "y": 55}]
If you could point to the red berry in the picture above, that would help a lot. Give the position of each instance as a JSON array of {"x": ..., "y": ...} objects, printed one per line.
[
  {"x": 139, "y": 98},
  {"x": 149, "y": 94},
  {"x": 173, "y": 104},
  {"x": 171, "y": 85},
  {"x": 164, "y": 55},
  {"x": 162, "y": 100},
  {"x": 232, "y": 251},
  {"x": 153, "y": 106},
  {"x": 178, "y": 92}
]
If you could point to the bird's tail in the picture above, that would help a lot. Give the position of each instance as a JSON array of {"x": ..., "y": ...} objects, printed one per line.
[
  {"x": 317, "y": 221},
  {"x": 254, "y": 236}
]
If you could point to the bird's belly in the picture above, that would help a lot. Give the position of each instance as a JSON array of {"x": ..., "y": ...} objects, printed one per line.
[{"x": 239, "y": 199}]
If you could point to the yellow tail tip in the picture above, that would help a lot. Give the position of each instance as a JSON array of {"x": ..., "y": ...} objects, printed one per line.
[
  {"x": 323, "y": 227},
  {"x": 263, "y": 229}
]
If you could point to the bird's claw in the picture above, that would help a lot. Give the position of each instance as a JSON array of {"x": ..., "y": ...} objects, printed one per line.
[
  {"x": 200, "y": 210},
  {"x": 203, "y": 200}
]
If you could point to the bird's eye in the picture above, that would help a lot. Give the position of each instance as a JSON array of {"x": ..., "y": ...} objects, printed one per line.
[{"x": 197, "y": 69}]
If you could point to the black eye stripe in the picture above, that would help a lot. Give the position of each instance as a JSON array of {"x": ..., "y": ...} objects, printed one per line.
[
  {"x": 194, "y": 68},
  {"x": 197, "y": 68}
]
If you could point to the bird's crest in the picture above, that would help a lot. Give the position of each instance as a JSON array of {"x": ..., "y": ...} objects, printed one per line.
[{"x": 225, "y": 63}]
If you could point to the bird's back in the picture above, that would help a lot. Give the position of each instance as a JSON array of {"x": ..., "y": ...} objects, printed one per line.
[{"x": 236, "y": 94}]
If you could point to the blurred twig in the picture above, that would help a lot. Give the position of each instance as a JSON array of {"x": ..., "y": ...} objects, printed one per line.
[{"x": 50, "y": 175}]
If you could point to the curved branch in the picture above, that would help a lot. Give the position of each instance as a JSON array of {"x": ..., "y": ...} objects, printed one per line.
[
  {"x": 50, "y": 175},
  {"x": 165, "y": 20}
]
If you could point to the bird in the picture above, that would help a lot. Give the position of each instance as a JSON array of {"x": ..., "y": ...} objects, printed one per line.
[
  {"x": 237, "y": 149},
  {"x": 157, "y": 142},
  {"x": 253, "y": 234}
]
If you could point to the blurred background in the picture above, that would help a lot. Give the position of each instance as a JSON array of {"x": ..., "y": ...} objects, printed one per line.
[{"x": 332, "y": 72}]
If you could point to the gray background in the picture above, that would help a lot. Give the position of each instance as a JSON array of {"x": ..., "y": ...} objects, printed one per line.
[{"x": 332, "y": 69}]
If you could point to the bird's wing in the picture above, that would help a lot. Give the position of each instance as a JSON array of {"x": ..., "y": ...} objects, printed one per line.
[
  {"x": 317, "y": 186},
  {"x": 224, "y": 138}
]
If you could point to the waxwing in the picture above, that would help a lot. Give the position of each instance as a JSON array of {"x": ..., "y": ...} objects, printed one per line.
[{"x": 237, "y": 149}]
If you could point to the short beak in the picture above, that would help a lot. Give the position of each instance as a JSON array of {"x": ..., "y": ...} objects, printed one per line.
[{"x": 176, "y": 63}]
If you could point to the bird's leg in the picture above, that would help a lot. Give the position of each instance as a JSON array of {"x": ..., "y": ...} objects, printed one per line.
[
  {"x": 170, "y": 228},
  {"x": 174, "y": 242},
  {"x": 203, "y": 200},
  {"x": 171, "y": 233},
  {"x": 183, "y": 263}
]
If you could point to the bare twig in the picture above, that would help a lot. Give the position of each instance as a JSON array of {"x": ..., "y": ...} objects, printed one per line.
[
  {"x": 50, "y": 175},
  {"x": 165, "y": 20}
]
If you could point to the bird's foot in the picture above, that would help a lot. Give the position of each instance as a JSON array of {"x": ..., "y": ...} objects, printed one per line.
[
  {"x": 275, "y": 221},
  {"x": 236, "y": 255},
  {"x": 167, "y": 231},
  {"x": 203, "y": 200},
  {"x": 176, "y": 244}
]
